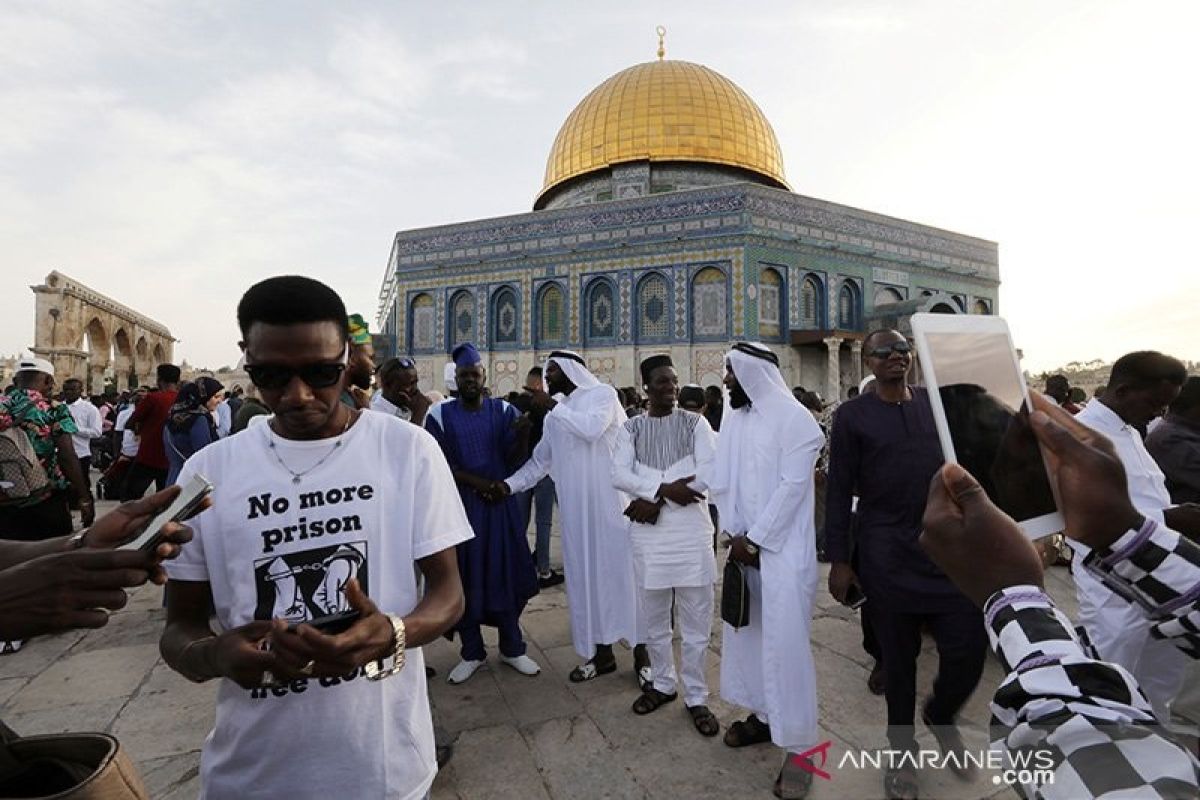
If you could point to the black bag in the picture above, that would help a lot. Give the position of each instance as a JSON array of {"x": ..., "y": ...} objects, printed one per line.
[{"x": 735, "y": 596}]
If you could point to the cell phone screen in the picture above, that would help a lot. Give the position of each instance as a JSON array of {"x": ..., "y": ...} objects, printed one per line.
[{"x": 988, "y": 420}]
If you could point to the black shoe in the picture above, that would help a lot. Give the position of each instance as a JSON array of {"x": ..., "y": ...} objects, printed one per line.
[{"x": 550, "y": 578}]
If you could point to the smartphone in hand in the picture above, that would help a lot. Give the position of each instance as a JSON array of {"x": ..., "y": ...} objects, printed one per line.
[
  {"x": 330, "y": 624},
  {"x": 185, "y": 504}
]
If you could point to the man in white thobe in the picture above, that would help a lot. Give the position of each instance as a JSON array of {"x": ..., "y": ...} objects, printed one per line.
[
  {"x": 763, "y": 484},
  {"x": 576, "y": 450},
  {"x": 1139, "y": 389},
  {"x": 661, "y": 460}
]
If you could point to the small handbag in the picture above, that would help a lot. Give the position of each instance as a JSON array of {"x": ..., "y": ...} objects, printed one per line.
[
  {"x": 67, "y": 766},
  {"x": 735, "y": 595}
]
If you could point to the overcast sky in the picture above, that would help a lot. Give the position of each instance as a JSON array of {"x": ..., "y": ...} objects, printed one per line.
[{"x": 170, "y": 154}]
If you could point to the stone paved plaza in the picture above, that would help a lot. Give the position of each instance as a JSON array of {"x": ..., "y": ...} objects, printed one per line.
[{"x": 516, "y": 737}]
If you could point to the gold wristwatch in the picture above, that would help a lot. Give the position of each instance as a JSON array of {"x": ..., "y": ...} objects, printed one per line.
[
  {"x": 751, "y": 547},
  {"x": 376, "y": 671}
]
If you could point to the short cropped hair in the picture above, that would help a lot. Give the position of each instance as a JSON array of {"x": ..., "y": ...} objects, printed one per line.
[
  {"x": 536, "y": 371},
  {"x": 1189, "y": 396},
  {"x": 877, "y": 332},
  {"x": 167, "y": 373},
  {"x": 291, "y": 300},
  {"x": 1145, "y": 369}
]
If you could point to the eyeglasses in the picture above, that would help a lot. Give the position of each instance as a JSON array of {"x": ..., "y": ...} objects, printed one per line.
[
  {"x": 276, "y": 376},
  {"x": 894, "y": 347}
]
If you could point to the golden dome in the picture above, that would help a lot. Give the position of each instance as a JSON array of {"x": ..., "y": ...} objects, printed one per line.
[{"x": 664, "y": 111}]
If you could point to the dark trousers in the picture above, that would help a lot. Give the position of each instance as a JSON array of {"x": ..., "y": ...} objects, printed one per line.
[
  {"x": 47, "y": 519},
  {"x": 962, "y": 647},
  {"x": 139, "y": 478},
  {"x": 869, "y": 642},
  {"x": 85, "y": 465},
  {"x": 512, "y": 644}
]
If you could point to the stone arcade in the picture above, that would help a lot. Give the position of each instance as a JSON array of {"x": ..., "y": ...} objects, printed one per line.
[{"x": 89, "y": 336}]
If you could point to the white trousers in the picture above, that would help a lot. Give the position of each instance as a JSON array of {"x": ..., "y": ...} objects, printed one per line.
[{"x": 693, "y": 615}]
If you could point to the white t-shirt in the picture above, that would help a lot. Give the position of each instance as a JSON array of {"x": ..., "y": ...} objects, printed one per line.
[
  {"x": 129, "y": 439},
  {"x": 270, "y": 548}
]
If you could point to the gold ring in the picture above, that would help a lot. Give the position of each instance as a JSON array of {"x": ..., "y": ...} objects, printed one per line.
[
  {"x": 267, "y": 678},
  {"x": 307, "y": 669}
]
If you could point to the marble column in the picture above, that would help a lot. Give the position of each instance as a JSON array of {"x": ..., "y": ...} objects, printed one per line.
[
  {"x": 833, "y": 378},
  {"x": 856, "y": 365}
]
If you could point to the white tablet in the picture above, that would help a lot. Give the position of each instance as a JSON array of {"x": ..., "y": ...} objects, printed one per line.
[{"x": 981, "y": 409}]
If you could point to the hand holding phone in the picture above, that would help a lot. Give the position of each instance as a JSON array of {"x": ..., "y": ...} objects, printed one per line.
[
  {"x": 330, "y": 624},
  {"x": 186, "y": 503}
]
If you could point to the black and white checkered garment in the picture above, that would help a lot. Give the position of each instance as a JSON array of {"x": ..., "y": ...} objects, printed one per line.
[
  {"x": 1086, "y": 718},
  {"x": 1163, "y": 567}
]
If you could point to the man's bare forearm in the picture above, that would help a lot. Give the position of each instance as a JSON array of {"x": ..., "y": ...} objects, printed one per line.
[
  {"x": 442, "y": 604},
  {"x": 13, "y": 553},
  {"x": 189, "y": 649}
]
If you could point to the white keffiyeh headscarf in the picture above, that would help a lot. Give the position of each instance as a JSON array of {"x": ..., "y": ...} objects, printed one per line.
[{"x": 573, "y": 367}]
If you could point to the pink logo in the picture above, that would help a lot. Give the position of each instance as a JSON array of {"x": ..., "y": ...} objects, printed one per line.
[{"x": 805, "y": 760}]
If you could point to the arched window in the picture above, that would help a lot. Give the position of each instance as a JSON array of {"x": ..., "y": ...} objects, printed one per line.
[
  {"x": 710, "y": 304},
  {"x": 981, "y": 307},
  {"x": 652, "y": 317},
  {"x": 810, "y": 303},
  {"x": 462, "y": 319},
  {"x": 421, "y": 335},
  {"x": 505, "y": 327},
  {"x": 885, "y": 296},
  {"x": 848, "y": 306},
  {"x": 960, "y": 301},
  {"x": 770, "y": 303},
  {"x": 601, "y": 310},
  {"x": 551, "y": 314}
]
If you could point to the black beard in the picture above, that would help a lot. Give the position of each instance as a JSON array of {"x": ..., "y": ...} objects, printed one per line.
[{"x": 738, "y": 397}]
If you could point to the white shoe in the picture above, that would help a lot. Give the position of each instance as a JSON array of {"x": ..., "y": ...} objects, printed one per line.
[
  {"x": 522, "y": 664},
  {"x": 463, "y": 671}
]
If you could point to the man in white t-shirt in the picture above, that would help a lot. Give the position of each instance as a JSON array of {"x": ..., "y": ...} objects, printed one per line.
[
  {"x": 88, "y": 423},
  {"x": 314, "y": 511},
  {"x": 129, "y": 438}
]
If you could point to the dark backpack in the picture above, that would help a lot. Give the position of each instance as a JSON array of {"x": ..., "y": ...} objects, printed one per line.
[{"x": 23, "y": 479}]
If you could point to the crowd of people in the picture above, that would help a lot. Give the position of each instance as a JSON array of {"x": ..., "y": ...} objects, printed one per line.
[{"x": 361, "y": 517}]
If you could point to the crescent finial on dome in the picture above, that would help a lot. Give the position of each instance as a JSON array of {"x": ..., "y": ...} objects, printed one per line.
[{"x": 662, "y": 50}]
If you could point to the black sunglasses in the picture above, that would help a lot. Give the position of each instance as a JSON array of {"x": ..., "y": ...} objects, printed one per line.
[
  {"x": 277, "y": 376},
  {"x": 894, "y": 347}
]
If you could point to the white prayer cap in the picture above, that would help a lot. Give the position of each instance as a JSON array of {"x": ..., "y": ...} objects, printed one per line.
[
  {"x": 34, "y": 364},
  {"x": 448, "y": 374},
  {"x": 572, "y": 365}
]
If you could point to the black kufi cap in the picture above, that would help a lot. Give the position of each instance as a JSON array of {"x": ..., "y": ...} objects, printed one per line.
[{"x": 654, "y": 362}]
